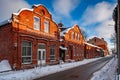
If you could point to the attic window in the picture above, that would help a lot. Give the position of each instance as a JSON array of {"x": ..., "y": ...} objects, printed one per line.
[
  {"x": 36, "y": 23},
  {"x": 73, "y": 35},
  {"x": 42, "y": 12}
]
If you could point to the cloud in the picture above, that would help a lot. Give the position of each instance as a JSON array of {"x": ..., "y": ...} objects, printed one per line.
[
  {"x": 64, "y": 7},
  {"x": 7, "y": 7},
  {"x": 104, "y": 30},
  {"x": 98, "y": 13}
]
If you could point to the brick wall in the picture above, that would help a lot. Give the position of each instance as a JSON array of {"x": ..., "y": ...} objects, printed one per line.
[{"x": 6, "y": 43}]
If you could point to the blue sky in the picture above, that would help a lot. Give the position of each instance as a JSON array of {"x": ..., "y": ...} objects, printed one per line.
[{"x": 94, "y": 16}]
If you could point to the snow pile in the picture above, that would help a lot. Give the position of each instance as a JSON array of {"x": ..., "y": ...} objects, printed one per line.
[
  {"x": 4, "y": 66},
  {"x": 107, "y": 72},
  {"x": 42, "y": 71}
]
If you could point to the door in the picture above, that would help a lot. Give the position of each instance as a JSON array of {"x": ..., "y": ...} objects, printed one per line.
[{"x": 41, "y": 57}]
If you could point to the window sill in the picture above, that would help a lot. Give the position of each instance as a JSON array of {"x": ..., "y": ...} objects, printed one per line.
[{"x": 27, "y": 63}]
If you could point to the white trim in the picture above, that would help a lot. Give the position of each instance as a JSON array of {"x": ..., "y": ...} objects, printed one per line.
[
  {"x": 27, "y": 56},
  {"x": 63, "y": 48},
  {"x": 22, "y": 10},
  {"x": 36, "y": 23},
  {"x": 91, "y": 45},
  {"x": 46, "y": 26}
]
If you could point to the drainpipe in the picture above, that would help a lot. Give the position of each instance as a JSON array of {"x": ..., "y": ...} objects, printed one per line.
[{"x": 118, "y": 35}]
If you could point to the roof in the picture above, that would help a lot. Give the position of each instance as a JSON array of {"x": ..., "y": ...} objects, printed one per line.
[
  {"x": 5, "y": 22},
  {"x": 22, "y": 10},
  {"x": 63, "y": 48},
  {"x": 91, "y": 45},
  {"x": 66, "y": 30},
  {"x": 62, "y": 33}
]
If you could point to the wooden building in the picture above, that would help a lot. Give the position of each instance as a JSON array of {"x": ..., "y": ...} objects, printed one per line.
[{"x": 31, "y": 37}]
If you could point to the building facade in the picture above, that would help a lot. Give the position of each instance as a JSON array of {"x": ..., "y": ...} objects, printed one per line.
[
  {"x": 100, "y": 42},
  {"x": 71, "y": 43},
  {"x": 31, "y": 38},
  {"x": 92, "y": 51}
]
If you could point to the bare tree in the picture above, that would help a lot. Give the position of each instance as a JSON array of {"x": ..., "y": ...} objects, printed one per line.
[
  {"x": 113, "y": 38},
  {"x": 85, "y": 34}
]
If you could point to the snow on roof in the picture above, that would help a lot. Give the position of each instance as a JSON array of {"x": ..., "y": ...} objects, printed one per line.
[
  {"x": 36, "y": 5},
  {"x": 5, "y": 22},
  {"x": 61, "y": 39},
  {"x": 63, "y": 48},
  {"x": 64, "y": 31},
  {"x": 22, "y": 10},
  {"x": 91, "y": 45},
  {"x": 67, "y": 30}
]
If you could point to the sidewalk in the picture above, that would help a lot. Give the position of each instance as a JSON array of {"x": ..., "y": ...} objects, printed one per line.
[{"x": 41, "y": 71}]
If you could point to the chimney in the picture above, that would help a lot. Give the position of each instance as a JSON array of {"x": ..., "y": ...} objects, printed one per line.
[
  {"x": 102, "y": 39},
  {"x": 60, "y": 24}
]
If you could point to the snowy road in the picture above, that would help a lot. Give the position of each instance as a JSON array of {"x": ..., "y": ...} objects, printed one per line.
[{"x": 83, "y": 72}]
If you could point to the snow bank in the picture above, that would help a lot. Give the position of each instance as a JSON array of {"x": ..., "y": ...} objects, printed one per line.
[
  {"x": 107, "y": 72},
  {"x": 42, "y": 71},
  {"x": 4, "y": 66}
]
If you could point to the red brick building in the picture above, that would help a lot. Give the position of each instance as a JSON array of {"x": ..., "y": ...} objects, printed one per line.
[
  {"x": 101, "y": 43},
  {"x": 30, "y": 38},
  {"x": 92, "y": 51},
  {"x": 71, "y": 43}
]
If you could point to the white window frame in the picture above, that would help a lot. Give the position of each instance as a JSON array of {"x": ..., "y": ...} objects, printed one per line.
[
  {"x": 36, "y": 23},
  {"x": 73, "y": 35},
  {"x": 53, "y": 55},
  {"x": 27, "y": 55},
  {"x": 46, "y": 26}
]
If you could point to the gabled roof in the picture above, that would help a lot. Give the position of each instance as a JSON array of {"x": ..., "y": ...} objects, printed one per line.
[
  {"x": 22, "y": 10},
  {"x": 62, "y": 33}
]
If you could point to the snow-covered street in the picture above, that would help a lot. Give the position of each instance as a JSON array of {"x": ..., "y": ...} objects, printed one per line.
[
  {"x": 31, "y": 74},
  {"x": 41, "y": 71},
  {"x": 108, "y": 72}
]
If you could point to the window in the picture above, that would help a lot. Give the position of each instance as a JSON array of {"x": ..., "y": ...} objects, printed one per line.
[
  {"x": 46, "y": 26},
  {"x": 36, "y": 23},
  {"x": 72, "y": 35},
  {"x": 52, "y": 52},
  {"x": 75, "y": 52},
  {"x": 78, "y": 37},
  {"x": 67, "y": 53},
  {"x": 26, "y": 52}
]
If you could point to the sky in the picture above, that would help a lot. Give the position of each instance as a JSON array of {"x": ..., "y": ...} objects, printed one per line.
[{"x": 94, "y": 16}]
